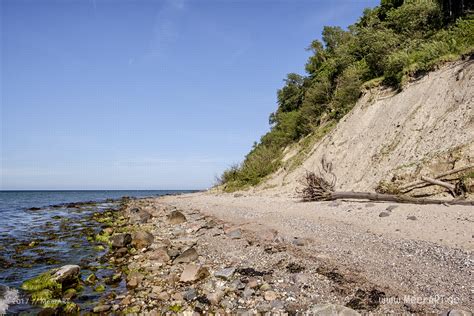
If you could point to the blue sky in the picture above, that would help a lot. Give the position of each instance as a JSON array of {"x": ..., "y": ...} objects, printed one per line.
[{"x": 145, "y": 94}]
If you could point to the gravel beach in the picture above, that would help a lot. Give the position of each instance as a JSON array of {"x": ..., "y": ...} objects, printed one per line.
[{"x": 253, "y": 254}]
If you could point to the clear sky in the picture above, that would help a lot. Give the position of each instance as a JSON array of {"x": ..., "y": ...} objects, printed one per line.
[{"x": 145, "y": 94}]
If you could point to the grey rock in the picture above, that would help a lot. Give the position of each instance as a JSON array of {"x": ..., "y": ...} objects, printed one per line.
[
  {"x": 190, "y": 294},
  {"x": 331, "y": 309},
  {"x": 236, "y": 285},
  {"x": 263, "y": 307},
  {"x": 227, "y": 304},
  {"x": 301, "y": 278},
  {"x": 215, "y": 297},
  {"x": 412, "y": 218},
  {"x": 138, "y": 216},
  {"x": 391, "y": 207},
  {"x": 176, "y": 217},
  {"x": 120, "y": 240},
  {"x": 67, "y": 273},
  {"x": 235, "y": 233},
  {"x": 225, "y": 273},
  {"x": 277, "y": 304},
  {"x": 101, "y": 308},
  {"x": 298, "y": 242},
  {"x": 142, "y": 239},
  {"x": 248, "y": 292},
  {"x": 384, "y": 214},
  {"x": 369, "y": 205},
  {"x": 189, "y": 255}
]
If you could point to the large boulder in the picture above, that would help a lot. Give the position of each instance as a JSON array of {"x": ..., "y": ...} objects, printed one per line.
[
  {"x": 142, "y": 239},
  {"x": 120, "y": 240}
]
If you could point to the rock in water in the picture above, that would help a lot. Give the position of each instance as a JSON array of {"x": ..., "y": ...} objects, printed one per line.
[
  {"x": 192, "y": 273},
  {"x": 139, "y": 216},
  {"x": 187, "y": 256},
  {"x": 120, "y": 240},
  {"x": 66, "y": 273},
  {"x": 142, "y": 239},
  {"x": 176, "y": 217},
  {"x": 101, "y": 308},
  {"x": 331, "y": 309}
]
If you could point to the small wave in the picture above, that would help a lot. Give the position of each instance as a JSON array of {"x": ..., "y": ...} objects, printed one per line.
[{"x": 7, "y": 296}]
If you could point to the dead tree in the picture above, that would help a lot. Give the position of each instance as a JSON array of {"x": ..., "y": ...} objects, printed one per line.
[{"x": 317, "y": 187}]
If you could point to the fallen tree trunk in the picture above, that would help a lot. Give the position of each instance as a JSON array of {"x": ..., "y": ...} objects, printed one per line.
[
  {"x": 317, "y": 188},
  {"x": 392, "y": 198}
]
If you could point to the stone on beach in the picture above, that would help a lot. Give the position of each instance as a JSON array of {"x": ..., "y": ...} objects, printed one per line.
[
  {"x": 176, "y": 217},
  {"x": 160, "y": 255},
  {"x": 235, "y": 233},
  {"x": 134, "y": 279},
  {"x": 192, "y": 273},
  {"x": 138, "y": 216},
  {"x": 331, "y": 309},
  {"x": 120, "y": 240},
  {"x": 187, "y": 256},
  {"x": 225, "y": 273},
  {"x": 142, "y": 239}
]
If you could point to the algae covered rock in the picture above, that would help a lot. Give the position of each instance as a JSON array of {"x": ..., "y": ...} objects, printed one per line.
[{"x": 47, "y": 288}]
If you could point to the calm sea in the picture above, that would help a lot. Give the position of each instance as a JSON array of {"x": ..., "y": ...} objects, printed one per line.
[{"x": 56, "y": 230}]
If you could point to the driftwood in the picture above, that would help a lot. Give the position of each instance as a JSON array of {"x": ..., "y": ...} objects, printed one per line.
[
  {"x": 446, "y": 185},
  {"x": 318, "y": 188},
  {"x": 413, "y": 185}
]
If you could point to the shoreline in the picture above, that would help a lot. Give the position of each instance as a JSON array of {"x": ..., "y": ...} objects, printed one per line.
[{"x": 228, "y": 253}]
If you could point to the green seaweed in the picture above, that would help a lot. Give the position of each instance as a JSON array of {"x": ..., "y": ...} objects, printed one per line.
[
  {"x": 100, "y": 288},
  {"x": 41, "y": 282},
  {"x": 71, "y": 308},
  {"x": 91, "y": 279}
]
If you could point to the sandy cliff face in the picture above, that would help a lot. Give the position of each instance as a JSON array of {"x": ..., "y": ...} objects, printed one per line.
[{"x": 427, "y": 128}]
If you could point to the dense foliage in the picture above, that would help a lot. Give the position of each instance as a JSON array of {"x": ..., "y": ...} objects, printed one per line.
[{"x": 394, "y": 41}]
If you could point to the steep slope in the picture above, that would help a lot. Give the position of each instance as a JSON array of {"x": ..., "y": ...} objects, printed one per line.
[{"x": 426, "y": 128}]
